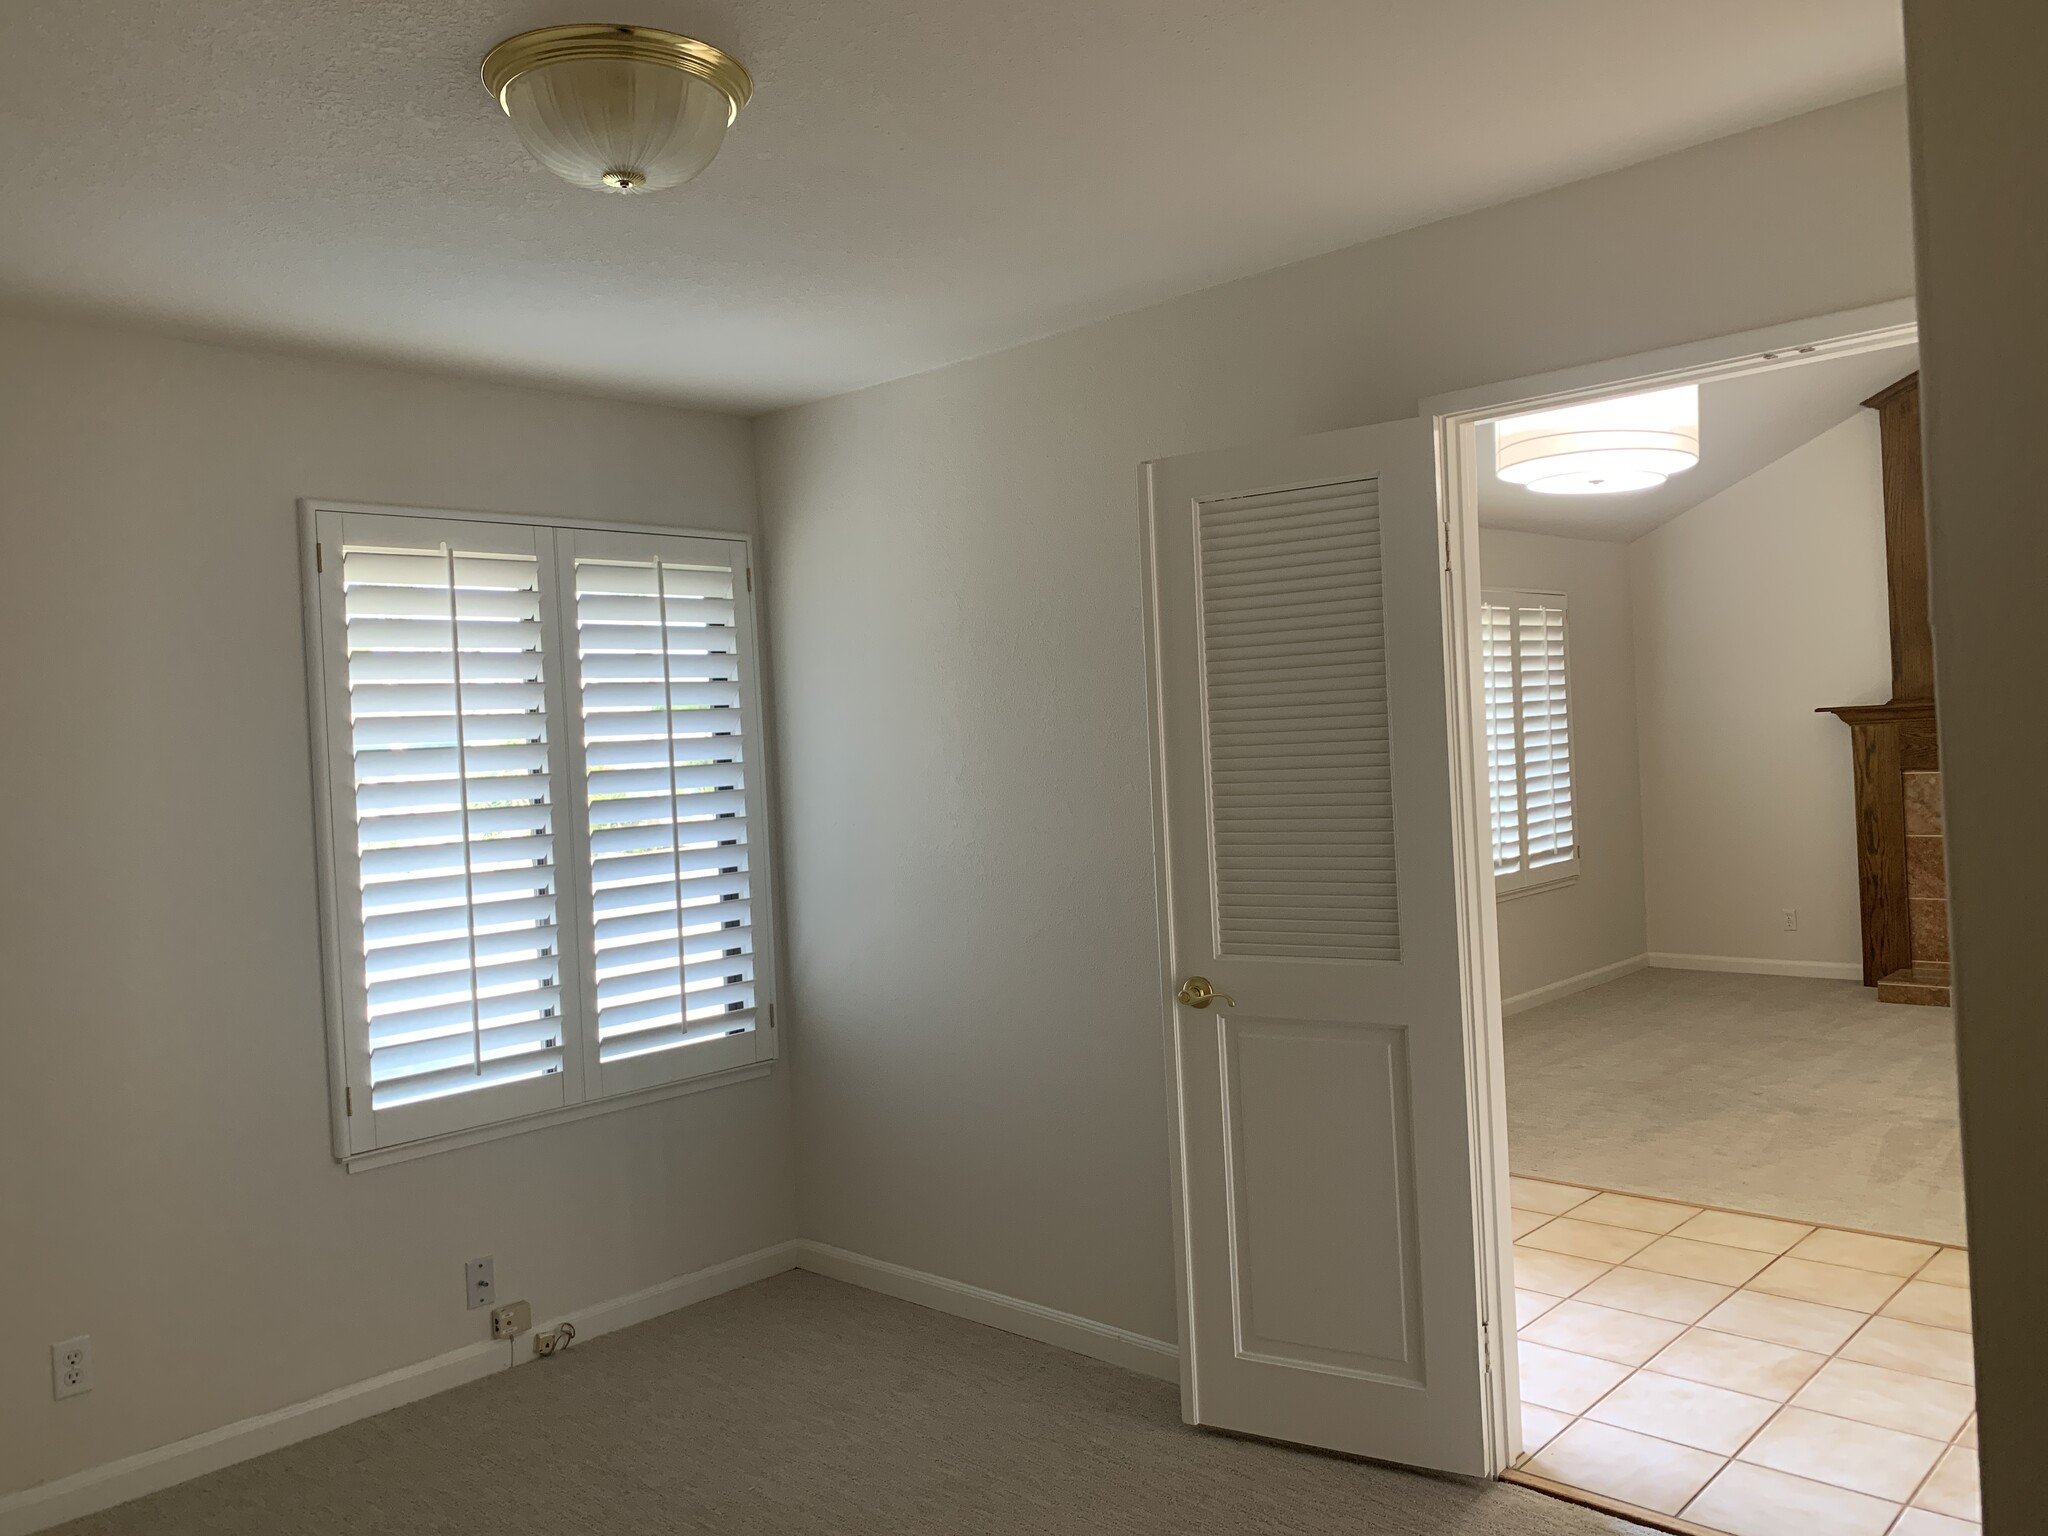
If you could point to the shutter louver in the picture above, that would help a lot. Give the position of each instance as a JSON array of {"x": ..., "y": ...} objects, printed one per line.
[
  {"x": 1524, "y": 676},
  {"x": 460, "y": 951},
  {"x": 659, "y": 672},
  {"x": 1546, "y": 735},
  {"x": 1503, "y": 775},
  {"x": 1300, "y": 766}
]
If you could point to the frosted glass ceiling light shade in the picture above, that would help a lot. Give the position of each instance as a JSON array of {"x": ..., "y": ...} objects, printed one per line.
[
  {"x": 617, "y": 109},
  {"x": 1603, "y": 447}
]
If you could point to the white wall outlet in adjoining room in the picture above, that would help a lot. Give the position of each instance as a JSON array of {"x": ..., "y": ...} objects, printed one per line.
[
  {"x": 71, "y": 1366},
  {"x": 481, "y": 1278},
  {"x": 1791, "y": 919}
]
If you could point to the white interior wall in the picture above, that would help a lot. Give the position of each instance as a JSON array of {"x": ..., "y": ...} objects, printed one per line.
[
  {"x": 169, "y": 1186},
  {"x": 1551, "y": 937},
  {"x": 1752, "y": 610},
  {"x": 954, "y": 584}
]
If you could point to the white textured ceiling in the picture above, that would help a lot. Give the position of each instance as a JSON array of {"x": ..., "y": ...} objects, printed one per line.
[
  {"x": 914, "y": 183},
  {"x": 1745, "y": 423}
]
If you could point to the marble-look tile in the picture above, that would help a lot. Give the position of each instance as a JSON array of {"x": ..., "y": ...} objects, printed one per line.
[
  {"x": 1540, "y": 1426},
  {"x": 1733, "y": 1230},
  {"x": 1554, "y": 1274},
  {"x": 1637, "y": 1469},
  {"x": 1871, "y": 1394},
  {"x": 1741, "y": 1365},
  {"x": 1542, "y": 1195},
  {"x": 1688, "y": 1412},
  {"x": 1951, "y": 1266},
  {"x": 1939, "y": 1306},
  {"x": 1748, "y": 1500},
  {"x": 1832, "y": 1285},
  {"x": 1587, "y": 1239},
  {"x": 1784, "y": 1320},
  {"x": 1914, "y": 1348},
  {"x": 1568, "y": 1383},
  {"x": 1603, "y": 1332},
  {"x": 1530, "y": 1305},
  {"x": 1953, "y": 1488},
  {"x": 1925, "y": 1522},
  {"x": 1635, "y": 1212},
  {"x": 1860, "y": 1250},
  {"x": 1671, "y": 1297},
  {"x": 1927, "y": 920},
  {"x": 1863, "y": 1458},
  {"x": 1926, "y": 867},
  {"x": 1526, "y": 1222},
  {"x": 1699, "y": 1261},
  {"x": 1923, "y": 804}
]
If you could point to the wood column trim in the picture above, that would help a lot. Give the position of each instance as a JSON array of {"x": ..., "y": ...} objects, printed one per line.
[{"x": 1905, "y": 538}]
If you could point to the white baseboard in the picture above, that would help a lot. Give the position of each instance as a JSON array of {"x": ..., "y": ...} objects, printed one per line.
[
  {"x": 1118, "y": 1346},
  {"x": 1536, "y": 997},
  {"x": 624, "y": 1311},
  {"x": 1817, "y": 970},
  {"x": 116, "y": 1482}
]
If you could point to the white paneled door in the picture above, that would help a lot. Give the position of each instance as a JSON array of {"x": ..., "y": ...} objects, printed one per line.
[{"x": 1324, "y": 1101}]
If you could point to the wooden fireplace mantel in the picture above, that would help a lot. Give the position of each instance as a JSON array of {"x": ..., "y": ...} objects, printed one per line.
[{"x": 1895, "y": 755}]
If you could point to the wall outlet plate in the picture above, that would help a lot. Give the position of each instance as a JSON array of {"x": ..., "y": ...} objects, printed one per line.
[
  {"x": 511, "y": 1320},
  {"x": 480, "y": 1277},
  {"x": 71, "y": 1366}
]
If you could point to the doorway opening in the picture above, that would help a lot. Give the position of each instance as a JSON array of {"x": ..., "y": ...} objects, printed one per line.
[{"x": 1699, "y": 720}]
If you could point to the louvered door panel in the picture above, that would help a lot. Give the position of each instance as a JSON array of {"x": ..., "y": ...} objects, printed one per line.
[
  {"x": 662, "y": 642},
  {"x": 458, "y": 995},
  {"x": 1294, "y": 678}
]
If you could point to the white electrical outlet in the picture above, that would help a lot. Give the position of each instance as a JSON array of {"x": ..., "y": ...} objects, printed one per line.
[
  {"x": 1791, "y": 919},
  {"x": 71, "y": 1366},
  {"x": 481, "y": 1278}
]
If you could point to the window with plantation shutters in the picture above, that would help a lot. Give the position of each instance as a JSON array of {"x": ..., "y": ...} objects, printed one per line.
[
  {"x": 1524, "y": 675},
  {"x": 662, "y": 670},
  {"x": 541, "y": 853}
]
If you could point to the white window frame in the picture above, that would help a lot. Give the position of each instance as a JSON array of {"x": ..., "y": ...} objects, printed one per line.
[
  {"x": 582, "y": 1088},
  {"x": 1562, "y": 872}
]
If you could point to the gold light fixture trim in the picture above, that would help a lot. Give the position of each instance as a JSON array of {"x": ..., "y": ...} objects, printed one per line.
[{"x": 640, "y": 45}]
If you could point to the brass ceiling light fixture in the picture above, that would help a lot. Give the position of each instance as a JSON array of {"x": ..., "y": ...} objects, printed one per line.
[{"x": 614, "y": 108}]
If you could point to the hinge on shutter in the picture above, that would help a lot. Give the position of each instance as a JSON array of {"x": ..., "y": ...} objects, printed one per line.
[
  {"x": 348, "y": 1102},
  {"x": 319, "y": 557},
  {"x": 1447, "y": 546},
  {"x": 750, "y": 578},
  {"x": 771, "y": 1015}
]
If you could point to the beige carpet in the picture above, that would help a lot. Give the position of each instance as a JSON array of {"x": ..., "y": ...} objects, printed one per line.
[
  {"x": 1804, "y": 1099},
  {"x": 801, "y": 1404}
]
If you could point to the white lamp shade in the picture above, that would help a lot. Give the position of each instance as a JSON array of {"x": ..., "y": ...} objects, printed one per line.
[
  {"x": 618, "y": 125},
  {"x": 1604, "y": 447}
]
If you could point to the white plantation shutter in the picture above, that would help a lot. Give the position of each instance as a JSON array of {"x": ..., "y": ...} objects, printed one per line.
[
  {"x": 665, "y": 683},
  {"x": 543, "y": 867},
  {"x": 1528, "y": 737},
  {"x": 1503, "y": 772}
]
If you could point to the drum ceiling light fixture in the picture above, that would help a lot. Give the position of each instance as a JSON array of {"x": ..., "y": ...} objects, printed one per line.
[
  {"x": 614, "y": 108},
  {"x": 1602, "y": 447}
]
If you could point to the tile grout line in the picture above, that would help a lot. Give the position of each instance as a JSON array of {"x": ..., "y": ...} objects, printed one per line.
[{"x": 1946, "y": 1446}]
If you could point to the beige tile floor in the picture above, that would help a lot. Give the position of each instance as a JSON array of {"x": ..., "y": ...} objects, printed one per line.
[{"x": 1743, "y": 1374}]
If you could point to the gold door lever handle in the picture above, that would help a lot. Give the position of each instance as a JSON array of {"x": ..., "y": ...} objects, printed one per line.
[{"x": 1196, "y": 992}]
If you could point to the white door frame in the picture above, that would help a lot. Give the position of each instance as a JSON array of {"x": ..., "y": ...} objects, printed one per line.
[{"x": 1456, "y": 416}]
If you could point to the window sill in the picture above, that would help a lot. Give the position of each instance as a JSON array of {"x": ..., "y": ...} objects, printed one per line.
[
  {"x": 379, "y": 1157},
  {"x": 1536, "y": 888}
]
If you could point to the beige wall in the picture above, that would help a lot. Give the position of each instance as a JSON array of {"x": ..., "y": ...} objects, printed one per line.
[
  {"x": 1753, "y": 609},
  {"x": 168, "y": 1184},
  {"x": 1976, "y": 69},
  {"x": 1553, "y": 936},
  {"x": 955, "y": 596}
]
